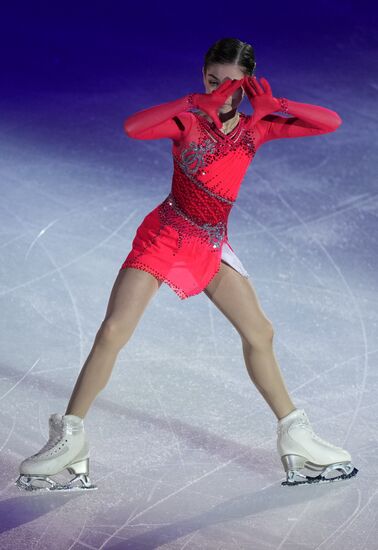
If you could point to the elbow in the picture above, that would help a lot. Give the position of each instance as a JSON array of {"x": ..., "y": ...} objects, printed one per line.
[
  {"x": 337, "y": 122},
  {"x": 332, "y": 127},
  {"x": 126, "y": 128},
  {"x": 130, "y": 128}
]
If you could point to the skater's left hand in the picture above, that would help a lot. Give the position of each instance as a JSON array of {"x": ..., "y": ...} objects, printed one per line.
[{"x": 260, "y": 96}]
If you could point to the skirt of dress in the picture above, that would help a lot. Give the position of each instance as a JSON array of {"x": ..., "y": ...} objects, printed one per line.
[{"x": 187, "y": 268}]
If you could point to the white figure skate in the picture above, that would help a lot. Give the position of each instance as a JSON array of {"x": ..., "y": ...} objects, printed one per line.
[
  {"x": 67, "y": 448},
  {"x": 299, "y": 447}
]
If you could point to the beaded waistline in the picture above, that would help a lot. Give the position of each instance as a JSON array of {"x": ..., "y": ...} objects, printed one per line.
[{"x": 215, "y": 232}]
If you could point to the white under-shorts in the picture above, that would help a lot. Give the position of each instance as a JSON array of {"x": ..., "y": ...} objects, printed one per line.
[{"x": 229, "y": 256}]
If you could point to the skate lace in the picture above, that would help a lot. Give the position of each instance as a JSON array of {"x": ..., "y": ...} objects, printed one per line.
[
  {"x": 307, "y": 426},
  {"x": 55, "y": 437}
]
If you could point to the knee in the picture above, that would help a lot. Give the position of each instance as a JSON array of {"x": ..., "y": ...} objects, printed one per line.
[
  {"x": 112, "y": 333},
  {"x": 260, "y": 336}
]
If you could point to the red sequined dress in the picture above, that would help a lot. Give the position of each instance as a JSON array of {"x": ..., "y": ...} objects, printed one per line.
[{"x": 180, "y": 241}]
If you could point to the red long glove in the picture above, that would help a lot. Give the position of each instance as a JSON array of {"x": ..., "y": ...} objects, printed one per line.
[
  {"x": 211, "y": 103},
  {"x": 308, "y": 119},
  {"x": 159, "y": 121}
]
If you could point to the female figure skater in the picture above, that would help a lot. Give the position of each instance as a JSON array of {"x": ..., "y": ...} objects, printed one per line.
[{"x": 184, "y": 243}]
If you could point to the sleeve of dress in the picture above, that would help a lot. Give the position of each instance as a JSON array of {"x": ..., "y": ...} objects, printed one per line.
[
  {"x": 161, "y": 121},
  {"x": 308, "y": 120}
]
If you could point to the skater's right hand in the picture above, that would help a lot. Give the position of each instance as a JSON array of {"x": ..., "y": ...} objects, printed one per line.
[{"x": 211, "y": 103}]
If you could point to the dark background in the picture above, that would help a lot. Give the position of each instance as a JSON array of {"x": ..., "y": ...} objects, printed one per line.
[{"x": 66, "y": 45}]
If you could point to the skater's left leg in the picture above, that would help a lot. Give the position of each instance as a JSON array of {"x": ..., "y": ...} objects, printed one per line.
[
  {"x": 236, "y": 298},
  {"x": 297, "y": 444}
]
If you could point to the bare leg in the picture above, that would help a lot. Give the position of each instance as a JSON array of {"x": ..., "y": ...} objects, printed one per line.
[
  {"x": 132, "y": 291},
  {"x": 235, "y": 297}
]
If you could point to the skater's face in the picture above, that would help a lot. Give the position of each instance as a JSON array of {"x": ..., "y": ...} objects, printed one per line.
[{"x": 218, "y": 73}]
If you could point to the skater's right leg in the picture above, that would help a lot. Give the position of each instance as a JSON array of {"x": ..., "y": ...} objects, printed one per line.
[
  {"x": 68, "y": 447},
  {"x": 132, "y": 291}
]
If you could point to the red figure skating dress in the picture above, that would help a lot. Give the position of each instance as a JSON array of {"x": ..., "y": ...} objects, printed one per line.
[{"x": 181, "y": 240}]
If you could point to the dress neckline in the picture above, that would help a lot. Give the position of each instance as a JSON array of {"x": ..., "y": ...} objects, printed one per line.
[{"x": 233, "y": 134}]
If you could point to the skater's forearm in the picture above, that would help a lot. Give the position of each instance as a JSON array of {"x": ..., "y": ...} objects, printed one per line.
[
  {"x": 314, "y": 116},
  {"x": 308, "y": 120},
  {"x": 157, "y": 121}
]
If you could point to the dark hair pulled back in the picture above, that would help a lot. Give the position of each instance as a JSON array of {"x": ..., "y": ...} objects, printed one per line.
[{"x": 231, "y": 50}]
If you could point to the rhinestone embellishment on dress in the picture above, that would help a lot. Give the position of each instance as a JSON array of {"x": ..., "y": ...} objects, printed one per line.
[
  {"x": 195, "y": 153},
  {"x": 170, "y": 213}
]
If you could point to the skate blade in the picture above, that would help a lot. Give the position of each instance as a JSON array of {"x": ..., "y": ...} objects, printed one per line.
[
  {"x": 296, "y": 478},
  {"x": 25, "y": 482}
]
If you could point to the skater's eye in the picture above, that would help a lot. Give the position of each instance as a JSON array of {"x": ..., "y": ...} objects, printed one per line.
[{"x": 213, "y": 83}]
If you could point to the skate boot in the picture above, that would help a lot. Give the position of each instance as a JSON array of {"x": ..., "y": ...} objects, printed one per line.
[
  {"x": 299, "y": 447},
  {"x": 67, "y": 448}
]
